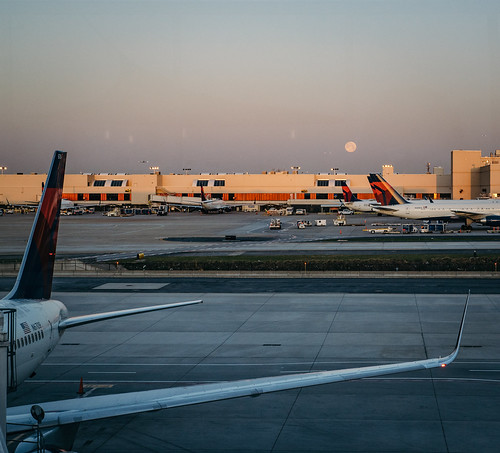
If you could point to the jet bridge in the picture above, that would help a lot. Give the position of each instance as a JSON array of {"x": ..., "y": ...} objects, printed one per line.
[
  {"x": 3, "y": 384},
  {"x": 9, "y": 325}
]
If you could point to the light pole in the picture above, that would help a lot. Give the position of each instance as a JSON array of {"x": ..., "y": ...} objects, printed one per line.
[
  {"x": 185, "y": 170},
  {"x": 155, "y": 170},
  {"x": 3, "y": 168},
  {"x": 295, "y": 168},
  {"x": 334, "y": 170}
]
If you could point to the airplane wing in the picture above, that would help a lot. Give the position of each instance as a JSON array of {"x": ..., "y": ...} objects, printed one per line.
[
  {"x": 384, "y": 209},
  {"x": 87, "y": 319},
  {"x": 85, "y": 409},
  {"x": 469, "y": 214},
  {"x": 185, "y": 205}
]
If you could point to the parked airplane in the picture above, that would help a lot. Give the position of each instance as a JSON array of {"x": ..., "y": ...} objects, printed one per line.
[
  {"x": 43, "y": 320},
  {"x": 352, "y": 202},
  {"x": 204, "y": 204},
  {"x": 212, "y": 204},
  {"x": 65, "y": 205},
  {"x": 486, "y": 212},
  {"x": 37, "y": 321}
]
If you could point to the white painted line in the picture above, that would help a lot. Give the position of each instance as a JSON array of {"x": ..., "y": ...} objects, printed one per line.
[
  {"x": 112, "y": 372},
  {"x": 131, "y": 286}
]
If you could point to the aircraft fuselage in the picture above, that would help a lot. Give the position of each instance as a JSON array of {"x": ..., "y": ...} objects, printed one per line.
[{"x": 36, "y": 332}]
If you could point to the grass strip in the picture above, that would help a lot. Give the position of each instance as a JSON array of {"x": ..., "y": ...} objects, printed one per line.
[{"x": 399, "y": 262}]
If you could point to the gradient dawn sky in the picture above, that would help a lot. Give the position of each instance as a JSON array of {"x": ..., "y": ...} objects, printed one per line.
[{"x": 235, "y": 86}]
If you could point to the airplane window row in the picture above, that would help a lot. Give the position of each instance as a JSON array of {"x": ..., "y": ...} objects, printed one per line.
[{"x": 28, "y": 339}]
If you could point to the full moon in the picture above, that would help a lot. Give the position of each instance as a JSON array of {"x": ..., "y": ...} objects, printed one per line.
[{"x": 350, "y": 147}]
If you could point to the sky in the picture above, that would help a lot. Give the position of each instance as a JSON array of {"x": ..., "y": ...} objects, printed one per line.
[{"x": 247, "y": 86}]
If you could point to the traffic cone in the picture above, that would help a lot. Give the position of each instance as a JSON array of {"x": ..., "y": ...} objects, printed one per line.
[{"x": 80, "y": 389}]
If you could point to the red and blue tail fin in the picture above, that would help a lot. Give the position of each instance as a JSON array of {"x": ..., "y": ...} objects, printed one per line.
[
  {"x": 348, "y": 195},
  {"x": 203, "y": 197},
  {"x": 34, "y": 280},
  {"x": 384, "y": 193}
]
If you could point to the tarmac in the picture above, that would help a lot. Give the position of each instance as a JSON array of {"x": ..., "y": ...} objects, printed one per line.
[
  {"x": 252, "y": 328},
  {"x": 108, "y": 238},
  {"x": 237, "y": 336}
]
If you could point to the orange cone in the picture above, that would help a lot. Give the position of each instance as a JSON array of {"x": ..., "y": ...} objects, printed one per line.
[{"x": 80, "y": 389}]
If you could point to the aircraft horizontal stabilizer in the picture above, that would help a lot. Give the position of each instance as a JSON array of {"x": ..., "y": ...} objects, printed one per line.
[
  {"x": 98, "y": 407},
  {"x": 87, "y": 319}
]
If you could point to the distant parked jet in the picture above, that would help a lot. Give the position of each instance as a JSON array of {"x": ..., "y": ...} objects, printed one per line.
[
  {"x": 354, "y": 203},
  {"x": 486, "y": 212}
]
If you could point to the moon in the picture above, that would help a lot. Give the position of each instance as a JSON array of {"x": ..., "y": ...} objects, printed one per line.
[{"x": 350, "y": 147}]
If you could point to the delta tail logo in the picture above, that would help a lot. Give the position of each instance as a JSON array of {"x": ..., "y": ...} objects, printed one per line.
[{"x": 383, "y": 192}]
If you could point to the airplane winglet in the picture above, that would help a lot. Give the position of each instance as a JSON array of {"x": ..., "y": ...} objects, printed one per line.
[{"x": 450, "y": 358}]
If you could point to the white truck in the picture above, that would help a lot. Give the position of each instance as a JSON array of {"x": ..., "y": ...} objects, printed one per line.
[{"x": 383, "y": 230}]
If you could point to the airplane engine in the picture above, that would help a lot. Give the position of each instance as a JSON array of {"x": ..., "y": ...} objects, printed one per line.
[{"x": 491, "y": 220}]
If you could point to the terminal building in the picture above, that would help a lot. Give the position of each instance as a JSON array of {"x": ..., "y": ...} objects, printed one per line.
[{"x": 472, "y": 176}]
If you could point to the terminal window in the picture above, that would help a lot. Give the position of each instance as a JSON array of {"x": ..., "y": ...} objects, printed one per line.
[
  {"x": 219, "y": 182},
  {"x": 340, "y": 182},
  {"x": 321, "y": 196},
  {"x": 323, "y": 182},
  {"x": 99, "y": 183},
  {"x": 116, "y": 182},
  {"x": 202, "y": 182}
]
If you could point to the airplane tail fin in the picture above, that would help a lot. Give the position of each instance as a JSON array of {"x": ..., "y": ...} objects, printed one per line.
[
  {"x": 384, "y": 193},
  {"x": 34, "y": 280},
  {"x": 203, "y": 197},
  {"x": 348, "y": 195}
]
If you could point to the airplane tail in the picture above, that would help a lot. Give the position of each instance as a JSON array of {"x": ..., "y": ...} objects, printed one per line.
[
  {"x": 348, "y": 195},
  {"x": 384, "y": 193},
  {"x": 34, "y": 280},
  {"x": 203, "y": 197}
]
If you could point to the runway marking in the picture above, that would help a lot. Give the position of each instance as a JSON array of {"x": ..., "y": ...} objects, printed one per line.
[
  {"x": 484, "y": 371},
  {"x": 111, "y": 372},
  {"x": 72, "y": 381},
  {"x": 322, "y": 363},
  {"x": 181, "y": 382},
  {"x": 213, "y": 364},
  {"x": 132, "y": 286}
]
